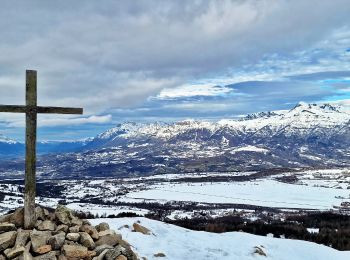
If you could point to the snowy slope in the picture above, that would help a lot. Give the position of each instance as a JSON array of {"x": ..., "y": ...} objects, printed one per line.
[{"x": 179, "y": 243}]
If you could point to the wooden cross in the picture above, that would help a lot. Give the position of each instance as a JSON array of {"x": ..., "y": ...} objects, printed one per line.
[{"x": 31, "y": 110}]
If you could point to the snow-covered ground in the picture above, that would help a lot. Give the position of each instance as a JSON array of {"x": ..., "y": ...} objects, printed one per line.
[
  {"x": 179, "y": 243},
  {"x": 265, "y": 192},
  {"x": 310, "y": 189},
  {"x": 105, "y": 209}
]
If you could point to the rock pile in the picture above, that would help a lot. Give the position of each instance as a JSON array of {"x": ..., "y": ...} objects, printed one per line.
[{"x": 60, "y": 235}]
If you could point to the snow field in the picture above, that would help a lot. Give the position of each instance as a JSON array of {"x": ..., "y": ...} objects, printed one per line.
[{"x": 179, "y": 243}]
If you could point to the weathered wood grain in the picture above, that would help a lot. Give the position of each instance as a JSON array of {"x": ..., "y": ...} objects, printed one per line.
[
  {"x": 59, "y": 110},
  {"x": 12, "y": 109},
  {"x": 30, "y": 165},
  {"x": 41, "y": 110}
]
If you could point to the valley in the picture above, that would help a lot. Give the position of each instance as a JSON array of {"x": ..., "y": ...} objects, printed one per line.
[
  {"x": 284, "y": 173},
  {"x": 314, "y": 190},
  {"x": 260, "y": 202}
]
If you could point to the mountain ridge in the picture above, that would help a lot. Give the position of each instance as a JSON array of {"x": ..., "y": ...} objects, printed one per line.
[{"x": 308, "y": 135}]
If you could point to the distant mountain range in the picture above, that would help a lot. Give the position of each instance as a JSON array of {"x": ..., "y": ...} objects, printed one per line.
[
  {"x": 13, "y": 148},
  {"x": 308, "y": 135}
]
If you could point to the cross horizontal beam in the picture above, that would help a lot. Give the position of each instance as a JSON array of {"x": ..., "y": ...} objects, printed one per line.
[{"x": 40, "y": 109}]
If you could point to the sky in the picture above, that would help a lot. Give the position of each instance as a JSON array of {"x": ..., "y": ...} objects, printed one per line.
[{"x": 159, "y": 60}]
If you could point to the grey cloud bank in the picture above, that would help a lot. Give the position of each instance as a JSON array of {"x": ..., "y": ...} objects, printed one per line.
[{"x": 112, "y": 57}]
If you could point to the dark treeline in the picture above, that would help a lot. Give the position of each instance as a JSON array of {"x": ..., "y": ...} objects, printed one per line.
[{"x": 334, "y": 229}]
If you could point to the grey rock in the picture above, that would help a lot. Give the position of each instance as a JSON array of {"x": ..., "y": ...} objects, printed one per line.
[
  {"x": 46, "y": 212},
  {"x": 48, "y": 256},
  {"x": 112, "y": 254},
  {"x": 102, "y": 255},
  {"x": 63, "y": 228},
  {"x": 74, "y": 229},
  {"x": 43, "y": 249},
  {"x": 37, "y": 223},
  {"x": 14, "y": 252},
  {"x": 75, "y": 251},
  {"x": 57, "y": 241},
  {"x": 102, "y": 248},
  {"x": 17, "y": 217},
  {"x": 102, "y": 227},
  {"x": 122, "y": 257},
  {"x": 39, "y": 213},
  {"x": 141, "y": 229},
  {"x": 76, "y": 221},
  {"x": 51, "y": 216},
  {"x": 91, "y": 254},
  {"x": 22, "y": 237},
  {"x": 86, "y": 222},
  {"x": 62, "y": 257},
  {"x": 64, "y": 215},
  {"x": 47, "y": 225},
  {"x": 7, "y": 240},
  {"x": 129, "y": 253},
  {"x": 86, "y": 240},
  {"x": 108, "y": 237},
  {"x": 5, "y": 218},
  {"x": 73, "y": 237},
  {"x": 28, "y": 246},
  {"x": 7, "y": 250},
  {"x": 25, "y": 256},
  {"x": 159, "y": 255},
  {"x": 68, "y": 242},
  {"x": 6, "y": 227},
  {"x": 90, "y": 230},
  {"x": 39, "y": 239}
]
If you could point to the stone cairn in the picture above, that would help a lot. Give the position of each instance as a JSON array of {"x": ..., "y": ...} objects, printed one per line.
[{"x": 60, "y": 235}]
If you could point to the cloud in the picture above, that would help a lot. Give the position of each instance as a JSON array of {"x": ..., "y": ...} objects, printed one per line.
[
  {"x": 119, "y": 53},
  {"x": 18, "y": 120},
  {"x": 237, "y": 99},
  {"x": 324, "y": 75},
  {"x": 75, "y": 121},
  {"x": 192, "y": 90},
  {"x": 159, "y": 58}
]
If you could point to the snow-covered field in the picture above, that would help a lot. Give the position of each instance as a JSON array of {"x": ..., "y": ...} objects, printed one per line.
[
  {"x": 179, "y": 243},
  {"x": 312, "y": 189},
  {"x": 262, "y": 192}
]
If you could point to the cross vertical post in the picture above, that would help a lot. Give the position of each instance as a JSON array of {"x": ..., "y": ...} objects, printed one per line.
[
  {"x": 31, "y": 109},
  {"x": 30, "y": 165}
]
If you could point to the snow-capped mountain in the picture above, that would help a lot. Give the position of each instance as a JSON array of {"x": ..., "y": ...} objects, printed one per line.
[
  {"x": 323, "y": 122},
  {"x": 9, "y": 146},
  {"x": 12, "y": 148},
  {"x": 308, "y": 135},
  {"x": 4, "y": 139}
]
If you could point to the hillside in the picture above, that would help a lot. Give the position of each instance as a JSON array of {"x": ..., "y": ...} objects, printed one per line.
[{"x": 179, "y": 243}]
